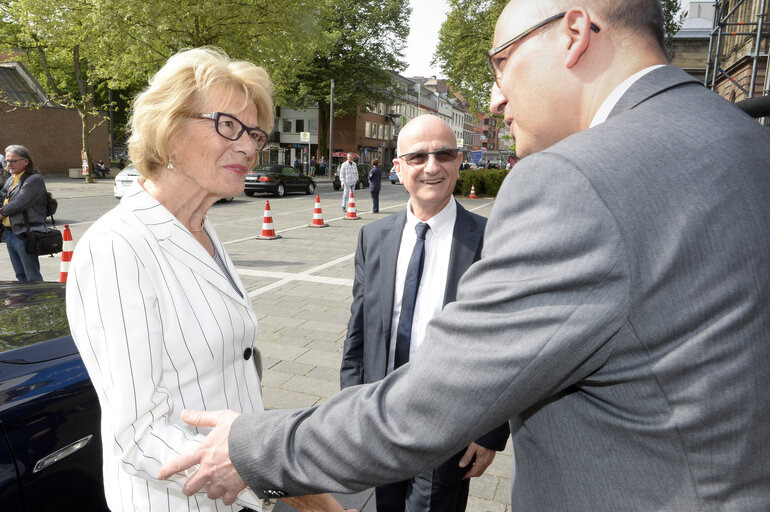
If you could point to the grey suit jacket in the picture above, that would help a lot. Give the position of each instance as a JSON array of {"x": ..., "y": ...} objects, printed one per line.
[
  {"x": 618, "y": 316},
  {"x": 29, "y": 197},
  {"x": 365, "y": 357}
]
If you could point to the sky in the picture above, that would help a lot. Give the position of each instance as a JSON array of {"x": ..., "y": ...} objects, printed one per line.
[{"x": 424, "y": 24}]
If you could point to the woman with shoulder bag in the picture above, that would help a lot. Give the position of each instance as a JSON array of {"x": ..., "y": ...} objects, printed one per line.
[{"x": 23, "y": 211}]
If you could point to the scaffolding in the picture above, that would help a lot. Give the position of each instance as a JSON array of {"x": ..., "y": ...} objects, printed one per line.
[{"x": 738, "y": 50}]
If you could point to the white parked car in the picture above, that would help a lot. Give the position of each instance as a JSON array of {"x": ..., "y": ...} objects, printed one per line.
[
  {"x": 129, "y": 175},
  {"x": 124, "y": 180}
]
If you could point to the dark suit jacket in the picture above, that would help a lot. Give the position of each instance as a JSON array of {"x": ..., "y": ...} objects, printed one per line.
[
  {"x": 618, "y": 316},
  {"x": 365, "y": 357}
]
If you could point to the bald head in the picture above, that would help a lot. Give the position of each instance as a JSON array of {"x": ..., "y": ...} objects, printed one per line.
[{"x": 425, "y": 127}]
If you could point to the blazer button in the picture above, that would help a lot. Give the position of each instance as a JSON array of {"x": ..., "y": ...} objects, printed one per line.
[{"x": 247, "y": 354}]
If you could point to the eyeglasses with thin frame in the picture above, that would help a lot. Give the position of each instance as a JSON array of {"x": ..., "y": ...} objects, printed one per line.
[
  {"x": 16, "y": 160},
  {"x": 420, "y": 158},
  {"x": 496, "y": 72},
  {"x": 231, "y": 128}
]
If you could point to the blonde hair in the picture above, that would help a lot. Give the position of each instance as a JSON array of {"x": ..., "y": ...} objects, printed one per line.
[{"x": 179, "y": 90}]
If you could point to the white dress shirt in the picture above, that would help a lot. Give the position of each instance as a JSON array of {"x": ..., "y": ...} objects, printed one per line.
[
  {"x": 430, "y": 295},
  {"x": 160, "y": 328},
  {"x": 610, "y": 101}
]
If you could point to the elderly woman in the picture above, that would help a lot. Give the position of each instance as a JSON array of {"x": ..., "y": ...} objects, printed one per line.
[
  {"x": 155, "y": 305},
  {"x": 23, "y": 209}
]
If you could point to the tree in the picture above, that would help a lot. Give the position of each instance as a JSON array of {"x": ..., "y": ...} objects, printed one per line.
[
  {"x": 672, "y": 18},
  {"x": 79, "y": 49},
  {"x": 56, "y": 39},
  {"x": 464, "y": 39},
  {"x": 467, "y": 34},
  {"x": 357, "y": 43}
]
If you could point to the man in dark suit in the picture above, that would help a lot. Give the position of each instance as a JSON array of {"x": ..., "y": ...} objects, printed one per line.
[
  {"x": 618, "y": 314},
  {"x": 428, "y": 166}
]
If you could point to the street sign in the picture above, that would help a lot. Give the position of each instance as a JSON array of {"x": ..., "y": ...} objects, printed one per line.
[
  {"x": 460, "y": 143},
  {"x": 304, "y": 137}
]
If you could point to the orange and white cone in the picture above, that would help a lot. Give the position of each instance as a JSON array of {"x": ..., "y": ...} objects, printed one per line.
[
  {"x": 352, "y": 214},
  {"x": 473, "y": 193},
  {"x": 318, "y": 217},
  {"x": 67, "y": 247},
  {"x": 268, "y": 232}
]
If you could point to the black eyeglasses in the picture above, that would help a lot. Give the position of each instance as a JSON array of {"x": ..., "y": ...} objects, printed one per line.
[
  {"x": 231, "y": 128},
  {"x": 14, "y": 161},
  {"x": 496, "y": 72},
  {"x": 418, "y": 158}
]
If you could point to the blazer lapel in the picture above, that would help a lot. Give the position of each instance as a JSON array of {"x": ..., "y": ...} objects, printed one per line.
[
  {"x": 389, "y": 246},
  {"x": 178, "y": 243},
  {"x": 465, "y": 242},
  {"x": 651, "y": 84}
]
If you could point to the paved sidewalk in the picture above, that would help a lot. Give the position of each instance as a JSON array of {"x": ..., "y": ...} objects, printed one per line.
[{"x": 301, "y": 288}]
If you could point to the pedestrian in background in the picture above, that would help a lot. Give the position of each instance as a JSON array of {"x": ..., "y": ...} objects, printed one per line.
[
  {"x": 101, "y": 169},
  {"x": 375, "y": 182},
  {"x": 312, "y": 166},
  {"x": 348, "y": 172},
  {"x": 23, "y": 199},
  {"x": 322, "y": 166}
]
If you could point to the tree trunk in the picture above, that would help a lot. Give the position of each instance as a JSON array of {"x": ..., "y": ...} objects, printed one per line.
[{"x": 85, "y": 149}]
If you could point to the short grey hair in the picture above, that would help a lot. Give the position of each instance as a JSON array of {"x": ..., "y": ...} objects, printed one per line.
[
  {"x": 644, "y": 17},
  {"x": 22, "y": 152}
]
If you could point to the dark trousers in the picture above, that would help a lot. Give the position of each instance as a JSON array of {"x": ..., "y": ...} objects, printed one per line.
[
  {"x": 375, "y": 200},
  {"x": 422, "y": 494}
]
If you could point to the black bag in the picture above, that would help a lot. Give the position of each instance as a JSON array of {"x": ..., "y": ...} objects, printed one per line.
[{"x": 38, "y": 243}]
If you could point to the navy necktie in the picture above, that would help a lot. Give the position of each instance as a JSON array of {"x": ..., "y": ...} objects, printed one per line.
[{"x": 409, "y": 298}]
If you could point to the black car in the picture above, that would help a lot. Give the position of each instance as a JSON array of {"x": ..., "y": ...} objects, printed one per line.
[
  {"x": 363, "y": 177},
  {"x": 277, "y": 179},
  {"x": 50, "y": 447}
]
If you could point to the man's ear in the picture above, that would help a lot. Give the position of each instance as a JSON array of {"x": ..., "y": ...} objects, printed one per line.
[
  {"x": 577, "y": 29},
  {"x": 397, "y": 166}
]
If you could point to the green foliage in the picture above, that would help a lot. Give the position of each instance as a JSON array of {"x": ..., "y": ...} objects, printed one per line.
[
  {"x": 672, "y": 17},
  {"x": 356, "y": 43},
  {"x": 487, "y": 182},
  {"x": 464, "y": 39}
]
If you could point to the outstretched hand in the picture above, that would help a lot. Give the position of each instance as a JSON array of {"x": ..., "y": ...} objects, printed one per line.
[{"x": 212, "y": 458}]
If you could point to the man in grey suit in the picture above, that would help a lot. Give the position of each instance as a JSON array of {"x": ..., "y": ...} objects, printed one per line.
[
  {"x": 428, "y": 166},
  {"x": 618, "y": 315}
]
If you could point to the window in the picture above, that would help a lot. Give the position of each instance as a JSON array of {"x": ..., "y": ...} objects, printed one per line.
[
  {"x": 312, "y": 125},
  {"x": 368, "y": 130},
  {"x": 286, "y": 126},
  {"x": 380, "y": 131},
  {"x": 299, "y": 125}
]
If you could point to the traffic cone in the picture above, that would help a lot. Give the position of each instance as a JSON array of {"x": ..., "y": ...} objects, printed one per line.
[
  {"x": 352, "y": 215},
  {"x": 473, "y": 193},
  {"x": 66, "y": 253},
  {"x": 268, "y": 232},
  {"x": 318, "y": 218}
]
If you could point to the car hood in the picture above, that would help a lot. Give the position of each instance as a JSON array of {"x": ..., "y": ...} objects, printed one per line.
[{"x": 31, "y": 313}]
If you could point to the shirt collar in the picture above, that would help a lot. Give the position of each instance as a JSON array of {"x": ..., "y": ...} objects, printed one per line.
[
  {"x": 611, "y": 100},
  {"x": 443, "y": 220}
]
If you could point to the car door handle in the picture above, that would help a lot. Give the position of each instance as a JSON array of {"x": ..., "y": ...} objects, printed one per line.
[{"x": 62, "y": 453}]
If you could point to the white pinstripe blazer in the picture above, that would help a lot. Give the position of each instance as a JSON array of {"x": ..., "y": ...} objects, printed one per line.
[{"x": 160, "y": 328}]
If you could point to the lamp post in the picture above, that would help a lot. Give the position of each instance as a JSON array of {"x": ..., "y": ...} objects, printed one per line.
[{"x": 331, "y": 130}]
